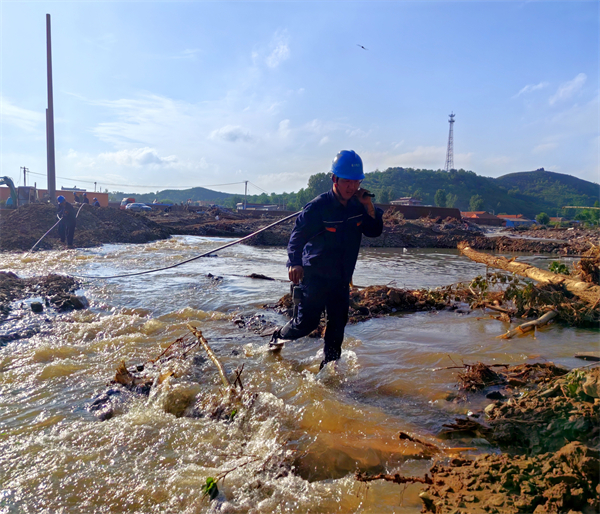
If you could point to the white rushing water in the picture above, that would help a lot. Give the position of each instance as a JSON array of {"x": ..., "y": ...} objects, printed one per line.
[{"x": 300, "y": 435}]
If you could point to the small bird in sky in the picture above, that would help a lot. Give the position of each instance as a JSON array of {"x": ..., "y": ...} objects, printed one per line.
[{"x": 361, "y": 46}]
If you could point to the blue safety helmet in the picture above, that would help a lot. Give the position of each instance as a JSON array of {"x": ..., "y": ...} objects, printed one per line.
[
  {"x": 60, "y": 199},
  {"x": 347, "y": 164}
]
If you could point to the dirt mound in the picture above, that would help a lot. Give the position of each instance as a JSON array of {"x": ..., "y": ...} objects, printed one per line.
[
  {"x": 505, "y": 244},
  {"x": 21, "y": 228}
]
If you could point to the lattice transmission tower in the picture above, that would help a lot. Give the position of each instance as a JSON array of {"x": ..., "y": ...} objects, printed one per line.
[{"x": 450, "y": 151}]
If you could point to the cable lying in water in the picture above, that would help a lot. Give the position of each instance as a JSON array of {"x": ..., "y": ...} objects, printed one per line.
[{"x": 205, "y": 254}]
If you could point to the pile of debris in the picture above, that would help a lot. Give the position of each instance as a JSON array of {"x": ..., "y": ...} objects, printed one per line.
[{"x": 588, "y": 268}]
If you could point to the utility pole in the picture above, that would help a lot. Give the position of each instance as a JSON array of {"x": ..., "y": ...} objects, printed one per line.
[
  {"x": 25, "y": 170},
  {"x": 50, "y": 119},
  {"x": 450, "y": 151},
  {"x": 245, "y": 194}
]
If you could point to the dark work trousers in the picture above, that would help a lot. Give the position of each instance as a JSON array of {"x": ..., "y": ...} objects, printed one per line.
[
  {"x": 319, "y": 294},
  {"x": 66, "y": 231}
]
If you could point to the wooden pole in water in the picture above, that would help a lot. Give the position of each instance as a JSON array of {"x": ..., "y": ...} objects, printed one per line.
[{"x": 50, "y": 119}]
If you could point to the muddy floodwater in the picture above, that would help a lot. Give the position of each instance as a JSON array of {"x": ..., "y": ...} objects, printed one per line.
[{"x": 297, "y": 446}]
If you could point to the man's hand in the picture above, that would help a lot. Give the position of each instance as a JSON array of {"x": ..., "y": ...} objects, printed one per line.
[
  {"x": 296, "y": 273},
  {"x": 362, "y": 195}
]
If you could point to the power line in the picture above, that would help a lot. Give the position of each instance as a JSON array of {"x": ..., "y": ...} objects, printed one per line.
[
  {"x": 137, "y": 185},
  {"x": 259, "y": 188}
]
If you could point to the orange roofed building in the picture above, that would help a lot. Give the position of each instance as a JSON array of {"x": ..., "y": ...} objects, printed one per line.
[{"x": 483, "y": 218}]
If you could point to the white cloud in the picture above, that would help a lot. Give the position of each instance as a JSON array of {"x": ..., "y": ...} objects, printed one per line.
[
  {"x": 568, "y": 89},
  {"x": 232, "y": 134},
  {"x": 24, "y": 119},
  {"x": 531, "y": 87},
  {"x": 280, "y": 51},
  {"x": 324, "y": 141},
  {"x": 138, "y": 157},
  {"x": 284, "y": 128}
]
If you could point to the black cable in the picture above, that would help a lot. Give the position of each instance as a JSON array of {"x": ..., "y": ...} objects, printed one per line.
[{"x": 198, "y": 256}]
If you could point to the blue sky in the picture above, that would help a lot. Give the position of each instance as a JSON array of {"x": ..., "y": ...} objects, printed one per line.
[{"x": 155, "y": 95}]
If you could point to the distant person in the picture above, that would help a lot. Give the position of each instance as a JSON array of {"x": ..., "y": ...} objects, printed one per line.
[
  {"x": 85, "y": 199},
  {"x": 96, "y": 203},
  {"x": 66, "y": 225},
  {"x": 322, "y": 254},
  {"x": 77, "y": 199}
]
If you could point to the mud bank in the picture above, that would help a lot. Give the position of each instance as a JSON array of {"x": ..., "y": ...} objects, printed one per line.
[
  {"x": 551, "y": 435},
  {"x": 20, "y": 229}
]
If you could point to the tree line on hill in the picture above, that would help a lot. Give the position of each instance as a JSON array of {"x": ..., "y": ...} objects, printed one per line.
[{"x": 527, "y": 193}]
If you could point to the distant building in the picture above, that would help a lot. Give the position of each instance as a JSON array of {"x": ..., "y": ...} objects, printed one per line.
[
  {"x": 516, "y": 220},
  {"x": 68, "y": 193},
  {"x": 407, "y": 200},
  {"x": 483, "y": 218}
]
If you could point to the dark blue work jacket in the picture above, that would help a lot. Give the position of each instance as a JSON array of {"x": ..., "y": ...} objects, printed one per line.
[
  {"x": 327, "y": 235},
  {"x": 66, "y": 211}
]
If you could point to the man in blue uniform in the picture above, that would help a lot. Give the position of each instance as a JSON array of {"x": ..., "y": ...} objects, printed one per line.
[
  {"x": 322, "y": 254},
  {"x": 66, "y": 226}
]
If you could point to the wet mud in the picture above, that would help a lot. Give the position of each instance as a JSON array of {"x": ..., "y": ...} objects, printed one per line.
[
  {"x": 548, "y": 427},
  {"x": 21, "y": 318},
  {"x": 21, "y": 228}
]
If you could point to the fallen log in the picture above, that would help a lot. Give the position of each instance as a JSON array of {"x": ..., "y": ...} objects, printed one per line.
[
  {"x": 530, "y": 325},
  {"x": 590, "y": 293}
]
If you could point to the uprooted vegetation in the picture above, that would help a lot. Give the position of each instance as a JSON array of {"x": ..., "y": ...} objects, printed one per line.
[{"x": 509, "y": 297}]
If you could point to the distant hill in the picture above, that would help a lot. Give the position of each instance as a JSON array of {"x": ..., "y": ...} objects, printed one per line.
[
  {"x": 527, "y": 193},
  {"x": 551, "y": 189},
  {"x": 175, "y": 196}
]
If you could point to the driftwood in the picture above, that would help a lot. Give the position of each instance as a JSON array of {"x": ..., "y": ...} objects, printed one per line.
[
  {"x": 590, "y": 293},
  {"x": 211, "y": 354},
  {"x": 530, "y": 325}
]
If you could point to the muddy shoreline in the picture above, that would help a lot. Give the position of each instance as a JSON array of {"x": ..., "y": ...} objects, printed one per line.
[{"x": 22, "y": 228}]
